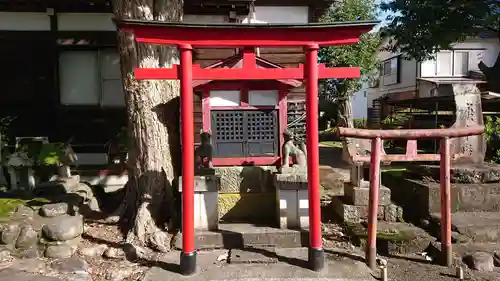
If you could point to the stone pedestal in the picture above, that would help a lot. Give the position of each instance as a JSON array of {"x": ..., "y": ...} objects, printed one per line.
[
  {"x": 292, "y": 200},
  {"x": 206, "y": 194},
  {"x": 360, "y": 195}
]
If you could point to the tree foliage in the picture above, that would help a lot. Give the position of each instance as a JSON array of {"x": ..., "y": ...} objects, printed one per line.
[
  {"x": 363, "y": 54},
  {"x": 419, "y": 28}
]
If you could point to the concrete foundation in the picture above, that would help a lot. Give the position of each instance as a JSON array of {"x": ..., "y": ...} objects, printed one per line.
[{"x": 292, "y": 200}]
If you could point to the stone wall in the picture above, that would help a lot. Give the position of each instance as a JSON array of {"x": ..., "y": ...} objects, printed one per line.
[{"x": 246, "y": 193}]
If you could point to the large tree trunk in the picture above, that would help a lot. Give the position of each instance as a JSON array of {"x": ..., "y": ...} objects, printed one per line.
[{"x": 153, "y": 115}]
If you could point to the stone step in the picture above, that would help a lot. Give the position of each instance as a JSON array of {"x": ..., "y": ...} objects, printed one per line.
[
  {"x": 240, "y": 235},
  {"x": 393, "y": 238},
  {"x": 476, "y": 226},
  {"x": 354, "y": 214},
  {"x": 360, "y": 195}
]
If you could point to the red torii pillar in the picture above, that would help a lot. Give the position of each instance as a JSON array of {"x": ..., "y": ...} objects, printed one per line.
[{"x": 185, "y": 36}]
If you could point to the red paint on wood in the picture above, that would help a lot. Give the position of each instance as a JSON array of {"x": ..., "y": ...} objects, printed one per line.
[
  {"x": 312, "y": 142},
  {"x": 444, "y": 180},
  {"x": 244, "y": 73},
  {"x": 244, "y": 98},
  {"x": 249, "y": 58},
  {"x": 187, "y": 108},
  {"x": 213, "y": 36},
  {"x": 411, "y": 133},
  {"x": 244, "y": 161},
  {"x": 371, "y": 250}
]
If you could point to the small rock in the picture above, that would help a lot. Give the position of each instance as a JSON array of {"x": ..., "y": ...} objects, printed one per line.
[
  {"x": 94, "y": 205},
  {"x": 482, "y": 261},
  {"x": 24, "y": 211},
  {"x": 10, "y": 234},
  {"x": 30, "y": 253},
  {"x": 93, "y": 251},
  {"x": 5, "y": 256},
  {"x": 424, "y": 223},
  {"x": 114, "y": 253},
  {"x": 458, "y": 238},
  {"x": 59, "y": 251},
  {"x": 54, "y": 210},
  {"x": 27, "y": 237},
  {"x": 133, "y": 252},
  {"x": 496, "y": 258},
  {"x": 30, "y": 265},
  {"x": 71, "y": 265},
  {"x": 64, "y": 228}
]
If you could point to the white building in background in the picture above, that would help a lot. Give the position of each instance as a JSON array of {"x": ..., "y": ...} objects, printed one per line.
[{"x": 401, "y": 79}]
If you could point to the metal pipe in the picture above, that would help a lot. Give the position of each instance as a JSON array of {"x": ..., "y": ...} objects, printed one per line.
[
  {"x": 371, "y": 250},
  {"x": 188, "y": 254},
  {"x": 446, "y": 250},
  {"x": 410, "y": 134},
  {"x": 316, "y": 255}
]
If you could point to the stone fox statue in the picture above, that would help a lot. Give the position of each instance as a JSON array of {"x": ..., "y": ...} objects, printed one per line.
[
  {"x": 203, "y": 154},
  {"x": 289, "y": 149}
]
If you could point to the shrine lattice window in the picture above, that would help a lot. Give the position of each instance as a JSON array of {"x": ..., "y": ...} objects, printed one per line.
[{"x": 244, "y": 133}]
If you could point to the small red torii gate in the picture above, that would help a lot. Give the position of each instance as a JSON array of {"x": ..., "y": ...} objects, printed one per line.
[
  {"x": 248, "y": 36},
  {"x": 376, "y": 137}
]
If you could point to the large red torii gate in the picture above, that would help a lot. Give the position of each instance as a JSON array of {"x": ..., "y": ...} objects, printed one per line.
[{"x": 189, "y": 36}]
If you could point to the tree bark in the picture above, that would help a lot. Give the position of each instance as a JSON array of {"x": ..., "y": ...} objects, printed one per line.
[{"x": 153, "y": 123}]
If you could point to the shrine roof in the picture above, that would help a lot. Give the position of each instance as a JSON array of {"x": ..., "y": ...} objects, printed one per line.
[
  {"x": 232, "y": 35},
  {"x": 236, "y": 61}
]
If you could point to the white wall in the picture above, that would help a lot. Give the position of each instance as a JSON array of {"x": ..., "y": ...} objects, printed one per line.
[
  {"x": 24, "y": 21},
  {"x": 360, "y": 104}
]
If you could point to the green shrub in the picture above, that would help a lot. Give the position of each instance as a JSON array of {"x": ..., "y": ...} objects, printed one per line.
[{"x": 492, "y": 135}]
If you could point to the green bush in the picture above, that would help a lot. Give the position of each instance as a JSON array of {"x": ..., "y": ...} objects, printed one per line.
[
  {"x": 51, "y": 154},
  {"x": 492, "y": 135}
]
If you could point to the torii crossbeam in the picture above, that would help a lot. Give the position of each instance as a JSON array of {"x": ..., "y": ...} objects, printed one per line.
[{"x": 247, "y": 36}]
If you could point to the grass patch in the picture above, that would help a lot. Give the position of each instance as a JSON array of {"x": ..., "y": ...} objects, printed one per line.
[
  {"x": 394, "y": 171},
  {"x": 358, "y": 231},
  {"x": 9, "y": 205},
  {"x": 337, "y": 144}
]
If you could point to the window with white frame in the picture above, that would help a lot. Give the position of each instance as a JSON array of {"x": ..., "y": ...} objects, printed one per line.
[
  {"x": 390, "y": 66},
  {"x": 91, "y": 78},
  {"x": 224, "y": 98},
  {"x": 263, "y": 97},
  {"x": 446, "y": 63}
]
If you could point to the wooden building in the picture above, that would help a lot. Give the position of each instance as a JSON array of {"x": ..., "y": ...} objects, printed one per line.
[{"x": 61, "y": 78}]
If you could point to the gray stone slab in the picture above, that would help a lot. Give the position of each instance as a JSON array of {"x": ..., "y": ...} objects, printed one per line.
[
  {"x": 289, "y": 268},
  {"x": 252, "y": 255},
  {"x": 238, "y": 236},
  {"x": 360, "y": 196},
  {"x": 478, "y": 226}
]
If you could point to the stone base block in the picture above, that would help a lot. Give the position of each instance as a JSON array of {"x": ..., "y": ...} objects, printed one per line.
[
  {"x": 354, "y": 214},
  {"x": 246, "y": 179},
  {"x": 290, "y": 181},
  {"x": 206, "y": 214},
  {"x": 293, "y": 208},
  {"x": 360, "y": 196}
]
